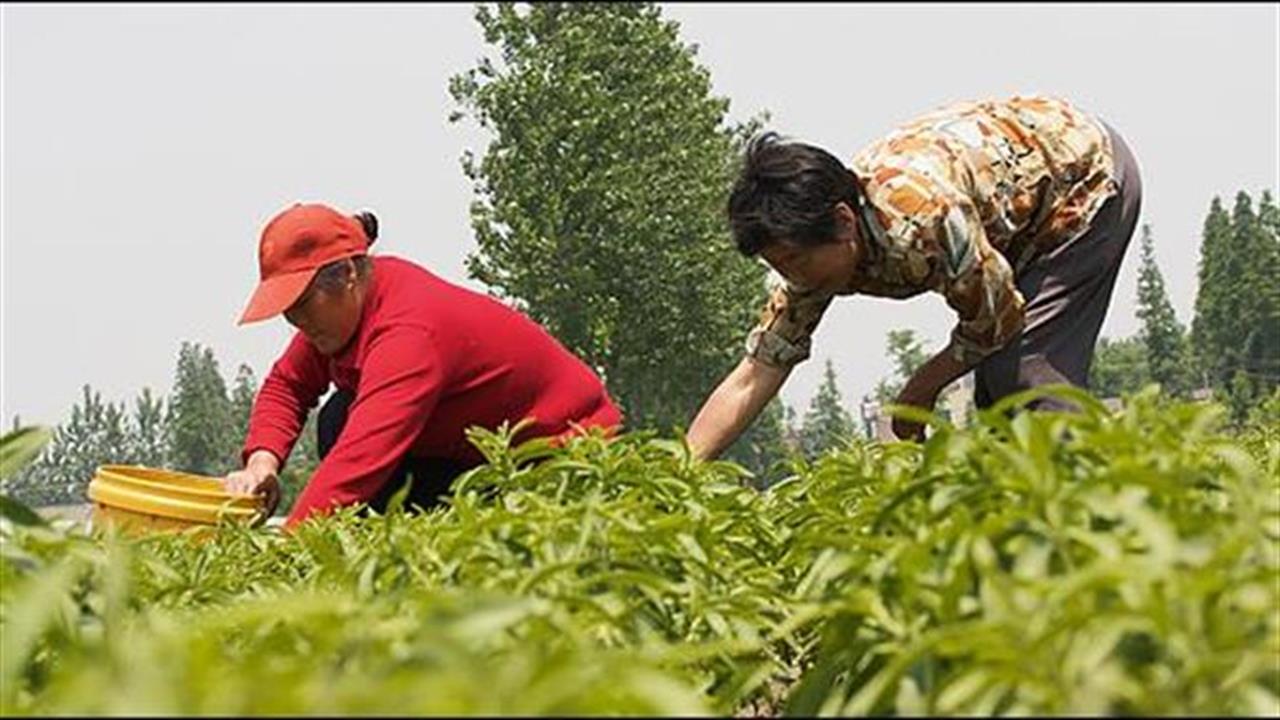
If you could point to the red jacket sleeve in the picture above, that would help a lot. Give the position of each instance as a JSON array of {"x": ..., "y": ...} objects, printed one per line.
[
  {"x": 400, "y": 383},
  {"x": 295, "y": 383}
]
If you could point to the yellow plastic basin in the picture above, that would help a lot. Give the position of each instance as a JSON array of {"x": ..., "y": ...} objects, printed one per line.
[{"x": 141, "y": 499}]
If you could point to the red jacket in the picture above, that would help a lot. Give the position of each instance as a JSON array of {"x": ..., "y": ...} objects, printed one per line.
[{"x": 428, "y": 360}]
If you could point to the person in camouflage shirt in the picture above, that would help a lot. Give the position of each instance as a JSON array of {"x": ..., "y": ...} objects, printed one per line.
[{"x": 1017, "y": 211}]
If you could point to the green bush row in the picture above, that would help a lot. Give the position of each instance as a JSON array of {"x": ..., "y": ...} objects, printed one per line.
[{"x": 1097, "y": 562}]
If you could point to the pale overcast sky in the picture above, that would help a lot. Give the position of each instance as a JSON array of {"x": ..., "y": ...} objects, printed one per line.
[{"x": 143, "y": 147}]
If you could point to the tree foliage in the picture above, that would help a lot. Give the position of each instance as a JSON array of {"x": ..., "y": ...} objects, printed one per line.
[
  {"x": 202, "y": 422},
  {"x": 1119, "y": 367},
  {"x": 1162, "y": 336},
  {"x": 243, "y": 394},
  {"x": 906, "y": 349},
  {"x": 1236, "y": 330},
  {"x": 828, "y": 424},
  {"x": 95, "y": 433},
  {"x": 200, "y": 431},
  {"x": 600, "y": 198}
]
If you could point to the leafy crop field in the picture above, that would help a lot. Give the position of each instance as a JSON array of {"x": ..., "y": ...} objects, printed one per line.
[{"x": 1095, "y": 563}]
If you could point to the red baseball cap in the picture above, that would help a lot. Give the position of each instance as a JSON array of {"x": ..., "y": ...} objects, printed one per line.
[{"x": 294, "y": 246}]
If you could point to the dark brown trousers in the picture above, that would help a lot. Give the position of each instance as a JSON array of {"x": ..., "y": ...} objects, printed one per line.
[{"x": 1067, "y": 291}]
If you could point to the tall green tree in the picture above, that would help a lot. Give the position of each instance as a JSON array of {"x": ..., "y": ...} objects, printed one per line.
[
  {"x": 1239, "y": 396},
  {"x": 1262, "y": 343},
  {"x": 1161, "y": 335},
  {"x": 201, "y": 419},
  {"x": 1236, "y": 331},
  {"x": 243, "y": 393},
  {"x": 1247, "y": 250},
  {"x": 1212, "y": 326},
  {"x": 148, "y": 433},
  {"x": 827, "y": 423},
  {"x": 600, "y": 199}
]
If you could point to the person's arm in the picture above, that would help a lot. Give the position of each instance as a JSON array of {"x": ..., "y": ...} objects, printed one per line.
[
  {"x": 290, "y": 390},
  {"x": 400, "y": 383},
  {"x": 780, "y": 341},
  {"x": 924, "y": 386},
  {"x": 979, "y": 285},
  {"x": 733, "y": 406}
]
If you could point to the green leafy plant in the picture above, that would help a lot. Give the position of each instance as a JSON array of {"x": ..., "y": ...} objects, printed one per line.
[{"x": 1089, "y": 563}]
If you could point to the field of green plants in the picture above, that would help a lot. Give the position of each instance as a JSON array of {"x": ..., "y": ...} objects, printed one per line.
[{"x": 1092, "y": 563}]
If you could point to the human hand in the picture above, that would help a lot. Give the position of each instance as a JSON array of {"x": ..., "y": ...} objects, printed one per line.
[
  {"x": 915, "y": 394},
  {"x": 259, "y": 477}
]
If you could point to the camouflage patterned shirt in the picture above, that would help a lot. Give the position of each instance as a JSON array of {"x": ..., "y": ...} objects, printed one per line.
[{"x": 959, "y": 201}]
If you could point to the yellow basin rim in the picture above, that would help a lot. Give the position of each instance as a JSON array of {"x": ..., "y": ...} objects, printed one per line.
[
  {"x": 168, "y": 494},
  {"x": 166, "y": 480}
]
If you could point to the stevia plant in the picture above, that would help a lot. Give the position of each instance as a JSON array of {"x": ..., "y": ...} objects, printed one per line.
[
  {"x": 1095, "y": 562},
  {"x": 1089, "y": 563}
]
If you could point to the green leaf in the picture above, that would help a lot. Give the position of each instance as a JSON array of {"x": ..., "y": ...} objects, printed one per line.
[
  {"x": 18, "y": 513},
  {"x": 19, "y": 447}
]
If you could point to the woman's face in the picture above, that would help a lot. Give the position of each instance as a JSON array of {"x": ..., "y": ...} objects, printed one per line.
[
  {"x": 820, "y": 267},
  {"x": 328, "y": 318},
  {"x": 828, "y": 266}
]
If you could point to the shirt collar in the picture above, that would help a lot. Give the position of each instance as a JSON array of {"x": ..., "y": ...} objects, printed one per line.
[{"x": 873, "y": 235}]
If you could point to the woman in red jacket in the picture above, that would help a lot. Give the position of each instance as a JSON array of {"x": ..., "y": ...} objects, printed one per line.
[{"x": 415, "y": 361}]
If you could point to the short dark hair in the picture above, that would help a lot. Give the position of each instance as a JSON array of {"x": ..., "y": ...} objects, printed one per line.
[{"x": 786, "y": 191}]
